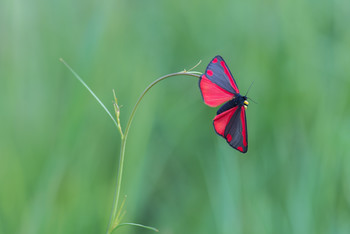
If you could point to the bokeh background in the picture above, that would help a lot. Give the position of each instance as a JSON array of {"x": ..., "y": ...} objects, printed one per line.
[{"x": 59, "y": 150}]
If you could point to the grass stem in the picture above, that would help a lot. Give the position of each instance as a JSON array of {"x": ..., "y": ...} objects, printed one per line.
[
  {"x": 116, "y": 217},
  {"x": 123, "y": 143}
]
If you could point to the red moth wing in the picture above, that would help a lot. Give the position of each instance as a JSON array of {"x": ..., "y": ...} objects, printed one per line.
[
  {"x": 221, "y": 120},
  {"x": 217, "y": 84},
  {"x": 213, "y": 95},
  {"x": 231, "y": 124}
]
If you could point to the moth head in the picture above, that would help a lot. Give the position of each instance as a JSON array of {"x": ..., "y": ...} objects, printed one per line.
[{"x": 245, "y": 103}]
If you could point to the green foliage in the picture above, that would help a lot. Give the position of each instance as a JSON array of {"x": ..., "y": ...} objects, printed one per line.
[{"x": 59, "y": 150}]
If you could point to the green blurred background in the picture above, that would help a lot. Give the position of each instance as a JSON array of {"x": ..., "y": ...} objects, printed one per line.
[{"x": 59, "y": 150}]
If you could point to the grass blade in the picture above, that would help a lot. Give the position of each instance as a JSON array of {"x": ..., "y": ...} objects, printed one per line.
[
  {"x": 88, "y": 88},
  {"x": 137, "y": 225}
]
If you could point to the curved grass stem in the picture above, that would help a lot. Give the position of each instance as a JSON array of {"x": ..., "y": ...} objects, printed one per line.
[
  {"x": 116, "y": 215},
  {"x": 123, "y": 143}
]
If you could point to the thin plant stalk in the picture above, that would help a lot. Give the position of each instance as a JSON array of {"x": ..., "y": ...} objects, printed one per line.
[
  {"x": 116, "y": 215},
  {"x": 123, "y": 143}
]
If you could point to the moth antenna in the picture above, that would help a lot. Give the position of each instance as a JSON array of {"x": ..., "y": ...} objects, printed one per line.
[
  {"x": 252, "y": 100},
  {"x": 249, "y": 89}
]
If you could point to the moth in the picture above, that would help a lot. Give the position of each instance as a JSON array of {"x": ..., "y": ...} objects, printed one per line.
[{"x": 218, "y": 86}]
